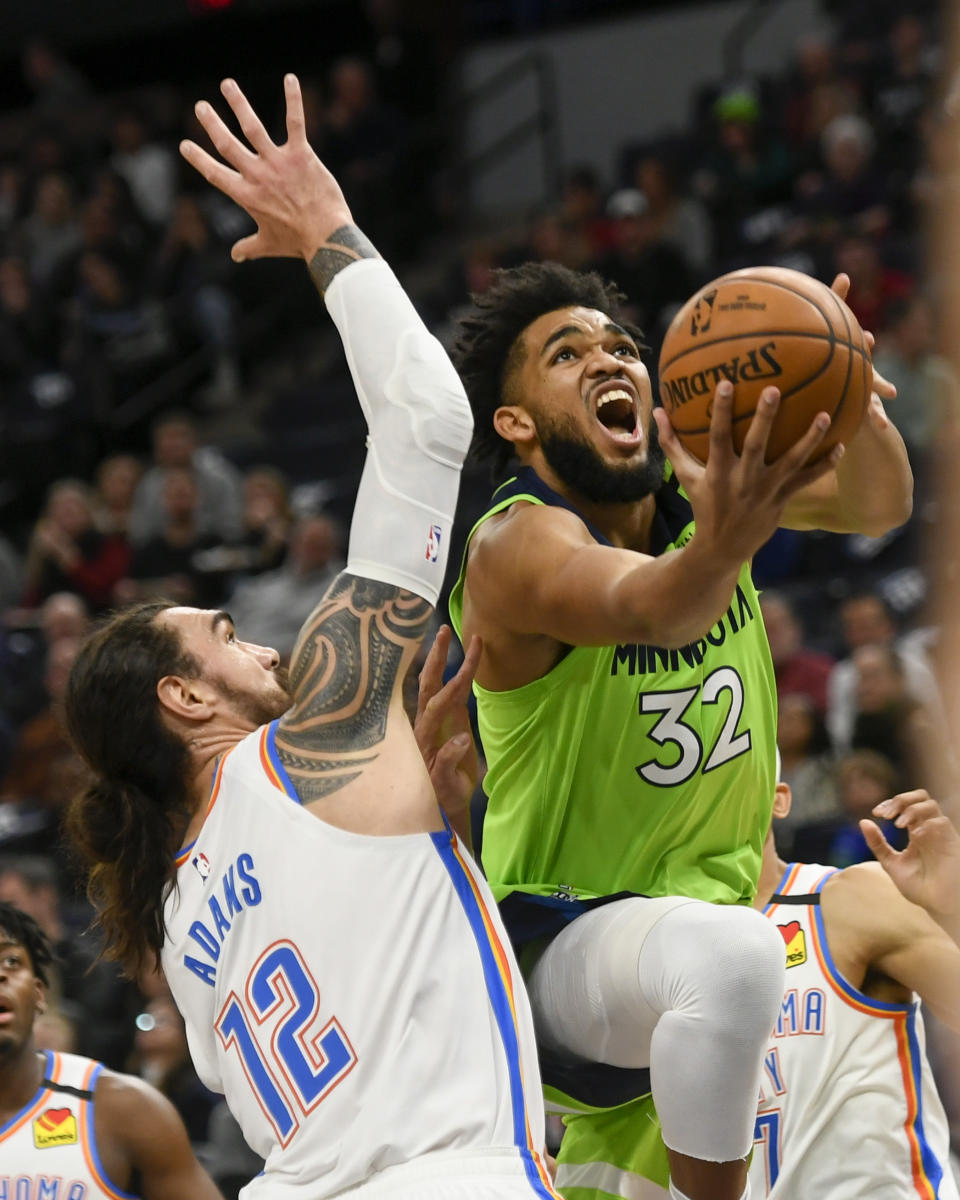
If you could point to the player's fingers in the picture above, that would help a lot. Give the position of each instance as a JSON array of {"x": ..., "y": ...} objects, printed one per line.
[
  {"x": 881, "y": 849},
  {"x": 755, "y": 442},
  {"x": 431, "y": 673},
  {"x": 248, "y": 120},
  {"x": 721, "y": 421},
  {"x": 248, "y": 248},
  {"x": 229, "y": 146},
  {"x": 883, "y": 387},
  {"x": 916, "y": 814},
  {"x": 221, "y": 176},
  {"x": 892, "y": 807},
  {"x": 296, "y": 121},
  {"x": 685, "y": 465},
  {"x": 841, "y": 285}
]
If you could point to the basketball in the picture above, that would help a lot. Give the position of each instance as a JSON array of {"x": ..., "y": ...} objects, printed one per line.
[{"x": 762, "y": 327}]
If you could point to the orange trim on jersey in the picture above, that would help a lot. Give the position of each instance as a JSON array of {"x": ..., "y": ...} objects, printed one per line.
[
  {"x": 268, "y": 766},
  {"x": 214, "y": 793},
  {"x": 784, "y": 888},
  {"x": 88, "y": 1141},
  {"x": 503, "y": 966},
  {"x": 843, "y": 988},
  {"x": 29, "y": 1113},
  {"x": 921, "y": 1181}
]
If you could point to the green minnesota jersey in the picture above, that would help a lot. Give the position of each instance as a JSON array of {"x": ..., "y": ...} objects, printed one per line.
[{"x": 633, "y": 768}]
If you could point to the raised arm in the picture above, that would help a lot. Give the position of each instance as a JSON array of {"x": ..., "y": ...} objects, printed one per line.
[
  {"x": 903, "y": 915},
  {"x": 347, "y": 668}
]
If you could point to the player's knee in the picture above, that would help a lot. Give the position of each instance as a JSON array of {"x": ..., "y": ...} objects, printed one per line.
[{"x": 734, "y": 972}]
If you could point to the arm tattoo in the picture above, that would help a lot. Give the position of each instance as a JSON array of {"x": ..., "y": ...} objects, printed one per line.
[
  {"x": 344, "y": 246},
  {"x": 343, "y": 674}
]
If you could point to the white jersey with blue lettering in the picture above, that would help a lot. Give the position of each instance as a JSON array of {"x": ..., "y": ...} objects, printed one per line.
[
  {"x": 355, "y": 998},
  {"x": 848, "y": 1107},
  {"x": 48, "y": 1150}
]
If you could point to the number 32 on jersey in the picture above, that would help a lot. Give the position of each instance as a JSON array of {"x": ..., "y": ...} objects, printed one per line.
[
  {"x": 290, "y": 1063},
  {"x": 672, "y": 730}
]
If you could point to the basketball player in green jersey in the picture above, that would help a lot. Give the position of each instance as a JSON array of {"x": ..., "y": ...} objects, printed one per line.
[{"x": 627, "y": 710}]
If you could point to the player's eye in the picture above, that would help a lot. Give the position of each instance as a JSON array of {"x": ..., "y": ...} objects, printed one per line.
[
  {"x": 564, "y": 354},
  {"x": 626, "y": 348},
  {"x": 12, "y": 961}
]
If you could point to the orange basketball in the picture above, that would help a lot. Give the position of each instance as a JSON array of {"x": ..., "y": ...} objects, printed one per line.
[{"x": 759, "y": 327}]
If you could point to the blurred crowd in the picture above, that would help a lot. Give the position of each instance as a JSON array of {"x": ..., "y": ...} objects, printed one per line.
[{"x": 114, "y": 270}]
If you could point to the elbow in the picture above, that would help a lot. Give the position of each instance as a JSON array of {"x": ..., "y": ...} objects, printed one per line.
[{"x": 895, "y": 512}]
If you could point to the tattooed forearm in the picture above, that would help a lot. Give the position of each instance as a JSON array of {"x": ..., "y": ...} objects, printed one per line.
[
  {"x": 344, "y": 246},
  {"x": 344, "y": 673}
]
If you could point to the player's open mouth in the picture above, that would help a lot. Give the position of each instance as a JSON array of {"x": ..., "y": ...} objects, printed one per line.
[{"x": 616, "y": 410}]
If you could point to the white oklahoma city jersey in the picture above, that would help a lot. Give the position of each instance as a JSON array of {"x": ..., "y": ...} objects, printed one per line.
[
  {"x": 48, "y": 1150},
  {"x": 848, "y": 1106},
  {"x": 355, "y": 998}
]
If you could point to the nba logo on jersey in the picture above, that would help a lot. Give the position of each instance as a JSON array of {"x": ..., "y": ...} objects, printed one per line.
[
  {"x": 433, "y": 543},
  {"x": 55, "y": 1127},
  {"x": 202, "y": 863},
  {"x": 796, "y": 943}
]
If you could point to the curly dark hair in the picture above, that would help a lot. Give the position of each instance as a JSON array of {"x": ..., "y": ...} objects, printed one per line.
[
  {"x": 487, "y": 343},
  {"x": 23, "y": 929}
]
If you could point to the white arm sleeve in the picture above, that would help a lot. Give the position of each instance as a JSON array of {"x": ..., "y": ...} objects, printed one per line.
[{"x": 419, "y": 424}]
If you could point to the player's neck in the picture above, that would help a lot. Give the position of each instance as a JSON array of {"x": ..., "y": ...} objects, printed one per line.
[
  {"x": 626, "y": 525},
  {"x": 772, "y": 869},
  {"x": 20, "y": 1077},
  {"x": 207, "y": 748}
]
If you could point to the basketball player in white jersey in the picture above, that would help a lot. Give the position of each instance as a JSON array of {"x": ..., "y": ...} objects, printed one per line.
[
  {"x": 69, "y": 1128},
  {"x": 337, "y": 957},
  {"x": 848, "y": 1108}
]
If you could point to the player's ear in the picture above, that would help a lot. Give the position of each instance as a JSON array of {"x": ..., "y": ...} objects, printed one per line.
[
  {"x": 514, "y": 424},
  {"x": 190, "y": 699},
  {"x": 40, "y": 995},
  {"x": 782, "y": 800}
]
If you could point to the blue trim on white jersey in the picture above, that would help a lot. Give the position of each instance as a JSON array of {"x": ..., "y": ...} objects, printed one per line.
[
  {"x": 499, "y": 1002},
  {"x": 277, "y": 764},
  {"x": 91, "y": 1125},
  {"x": 932, "y": 1166},
  {"x": 34, "y": 1098}
]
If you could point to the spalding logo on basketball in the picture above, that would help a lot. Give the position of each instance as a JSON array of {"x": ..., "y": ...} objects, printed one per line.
[{"x": 758, "y": 327}]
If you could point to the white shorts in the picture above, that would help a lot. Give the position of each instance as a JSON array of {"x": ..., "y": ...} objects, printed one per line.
[{"x": 484, "y": 1175}]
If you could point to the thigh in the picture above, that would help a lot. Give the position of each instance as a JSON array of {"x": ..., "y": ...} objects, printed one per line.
[{"x": 584, "y": 989}]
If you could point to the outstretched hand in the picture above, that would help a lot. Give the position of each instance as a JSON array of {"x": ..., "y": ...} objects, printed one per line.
[
  {"x": 286, "y": 189},
  {"x": 927, "y": 871},
  {"x": 738, "y": 499},
  {"x": 442, "y": 728}
]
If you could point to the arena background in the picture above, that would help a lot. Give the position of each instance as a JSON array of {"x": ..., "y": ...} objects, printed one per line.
[{"x": 661, "y": 143}]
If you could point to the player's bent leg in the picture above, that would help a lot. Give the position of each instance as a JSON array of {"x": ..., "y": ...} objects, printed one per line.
[{"x": 691, "y": 990}]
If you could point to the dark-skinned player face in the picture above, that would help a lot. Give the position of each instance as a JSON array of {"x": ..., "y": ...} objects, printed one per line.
[
  {"x": 589, "y": 395},
  {"x": 21, "y": 995}
]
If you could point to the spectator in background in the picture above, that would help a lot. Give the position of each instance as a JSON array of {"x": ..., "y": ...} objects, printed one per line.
[
  {"x": 272, "y": 608},
  {"x": 815, "y": 93},
  {"x": 650, "y": 271},
  {"x": 928, "y": 395},
  {"x": 581, "y": 210},
  {"x": 267, "y": 518},
  {"x": 149, "y": 168},
  {"x": 849, "y": 190},
  {"x": 161, "y": 1056},
  {"x": 26, "y": 640},
  {"x": 93, "y": 988},
  {"x": 865, "y": 620},
  {"x": 807, "y": 766},
  {"x": 677, "y": 220},
  {"x": 67, "y": 551},
  {"x": 116, "y": 482},
  {"x": 45, "y": 771},
  {"x": 874, "y": 287},
  {"x": 11, "y": 574},
  {"x": 900, "y": 90},
  {"x": 57, "y": 85},
  {"x": 892, "y": 722},
  {"x": 864, "y": 779},
  {"x": 797, "y": 669},
  {"x": 166, "y": 566},
  {"x": 29, "y": 331},
  {"x": 51, "y": 232},
  {"x": 191, "y": 272},
  {"x": 219, "y": 483}
]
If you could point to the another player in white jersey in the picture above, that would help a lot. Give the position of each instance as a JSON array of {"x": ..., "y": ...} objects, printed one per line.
[
  {"x": 338, "y": 959},
  {"x": 849, "y": 1109},
  {"x": 69, "y": 1128}
]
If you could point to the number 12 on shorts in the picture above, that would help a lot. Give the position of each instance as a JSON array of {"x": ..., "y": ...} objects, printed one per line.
[{"x": 291, "y": 1065}]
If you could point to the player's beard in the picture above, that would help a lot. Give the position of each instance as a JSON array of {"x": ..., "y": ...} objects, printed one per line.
[
  {"x": 584, "y": 470},
  {"x": 260, "y": 708}
]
